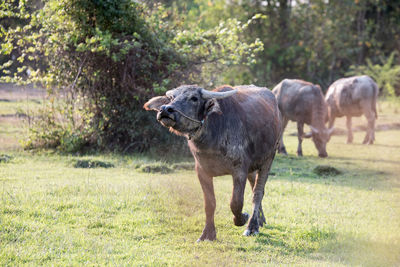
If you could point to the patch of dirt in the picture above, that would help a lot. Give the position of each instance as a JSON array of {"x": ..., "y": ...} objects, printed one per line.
[
  {"x": 326, "y": 170},
  {"x": 16, "y": 115},
  {"x": 11, "y": 92},
  {"x": 380, "y": 127},
  {"x": 363, "y": 128}
]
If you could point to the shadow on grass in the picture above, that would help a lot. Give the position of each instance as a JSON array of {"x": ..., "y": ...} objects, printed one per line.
[
  {"x": 317, "y": 244},
  {"x": 353, "y": 250},
  {"x": 290, "y": 240},
  {"x": 342, "y": 158},
  {"x": 301, "y": 169}
]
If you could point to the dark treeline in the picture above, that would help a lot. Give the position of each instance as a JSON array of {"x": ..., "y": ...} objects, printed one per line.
[{"x": 316, "y": 40}]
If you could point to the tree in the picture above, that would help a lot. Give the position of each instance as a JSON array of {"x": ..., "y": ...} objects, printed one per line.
[{"x": 102, "y": 59}]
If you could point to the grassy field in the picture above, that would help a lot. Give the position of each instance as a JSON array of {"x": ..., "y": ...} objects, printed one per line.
[{"x": 52, "y": 213}]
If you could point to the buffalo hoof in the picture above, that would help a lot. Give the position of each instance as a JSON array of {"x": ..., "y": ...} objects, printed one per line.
[
  {"x": 299, "y": 153},
  {"x": 283, "y": 152},
  {"x": 368, "y": 142},
  {"x": 241, "y": 221},
  {"x": 249, "y": 232},
  {"x": 349, "y": 141},
  {"x": 209, "y": 233},
  {"x": 252, "y": 229}
]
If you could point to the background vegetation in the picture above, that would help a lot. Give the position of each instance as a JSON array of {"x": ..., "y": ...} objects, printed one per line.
[{"x": 100, "y": 60}]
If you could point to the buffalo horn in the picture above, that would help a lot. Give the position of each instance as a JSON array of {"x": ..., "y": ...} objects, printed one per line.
[
  {"x": 170, "y": 93},
  {"x": 216, "y": 95},
  {"x": 313, "y": 129}
]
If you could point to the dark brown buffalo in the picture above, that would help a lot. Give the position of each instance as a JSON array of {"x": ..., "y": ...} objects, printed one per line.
[
  {"x": 303, "y": 102},
  {"x": 230, "y": 131},
  {"x": 352, "y": 97}
]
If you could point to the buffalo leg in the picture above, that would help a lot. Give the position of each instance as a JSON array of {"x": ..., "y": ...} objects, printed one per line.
[
  {"x": 349, "y": 130},
  {"x": 370, "y": 116},
  {"x": 206, "y": 182},
  {"x": 300, "y": 132},
  {"x": 239, "y": 184},
  {"x": 258, "y": 194},
  {"x": 252, "y": 179},
  {"x": 282, "y": 148},
  {"x": 331, "y": 121}
]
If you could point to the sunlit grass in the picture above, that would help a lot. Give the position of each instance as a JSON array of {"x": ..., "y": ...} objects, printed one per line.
[{"x": 53, "y": 213}]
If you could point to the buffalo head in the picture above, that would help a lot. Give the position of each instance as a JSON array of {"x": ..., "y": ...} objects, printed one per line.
[
  {"x": 320, "y": 137},
  {"x": 184, "y": 109}
]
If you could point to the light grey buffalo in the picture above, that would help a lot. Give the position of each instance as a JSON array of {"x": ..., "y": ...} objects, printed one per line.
[
  {"x": 304, "y": 103},
  {"x": 230, "y": 131},
  {"x": 352, "y": 97}
]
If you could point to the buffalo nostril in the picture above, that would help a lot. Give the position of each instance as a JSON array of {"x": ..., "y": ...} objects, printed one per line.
[{"x": 170, "y": 110}]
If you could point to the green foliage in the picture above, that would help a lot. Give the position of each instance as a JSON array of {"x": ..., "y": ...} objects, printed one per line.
[
  {"x": 221, "y": 44},
  {"x": 100, "y": 60},
  {"x": 303, "y": 39},
  {"x": 386, "y": 74},
  {"x": 60, "y": 126}
]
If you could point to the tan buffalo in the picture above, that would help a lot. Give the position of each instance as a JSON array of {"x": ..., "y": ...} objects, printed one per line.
[
  {"x": 304, "y": 103},
  {"x": 352, "y": 97}
]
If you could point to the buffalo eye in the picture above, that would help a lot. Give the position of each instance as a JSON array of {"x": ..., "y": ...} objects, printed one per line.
[{"x": 194, "y": 99}]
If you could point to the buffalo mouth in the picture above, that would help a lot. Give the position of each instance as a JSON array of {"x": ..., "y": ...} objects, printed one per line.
[{"x": 166, "y": 120}]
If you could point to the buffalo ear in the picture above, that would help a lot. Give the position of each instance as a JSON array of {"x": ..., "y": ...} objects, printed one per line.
[
  {"x": 156, "y": 102},
  {"x": 211, "y": 106}
]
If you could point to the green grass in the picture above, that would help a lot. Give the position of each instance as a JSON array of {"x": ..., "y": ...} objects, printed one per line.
[{"x": 52, "y": 213}]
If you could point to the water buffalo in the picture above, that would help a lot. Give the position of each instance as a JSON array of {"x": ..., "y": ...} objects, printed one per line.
[
  {"x": 230, "y": 131},
  {"x": 303, "y": 102},
  {"x": 352, "y": 97}
]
